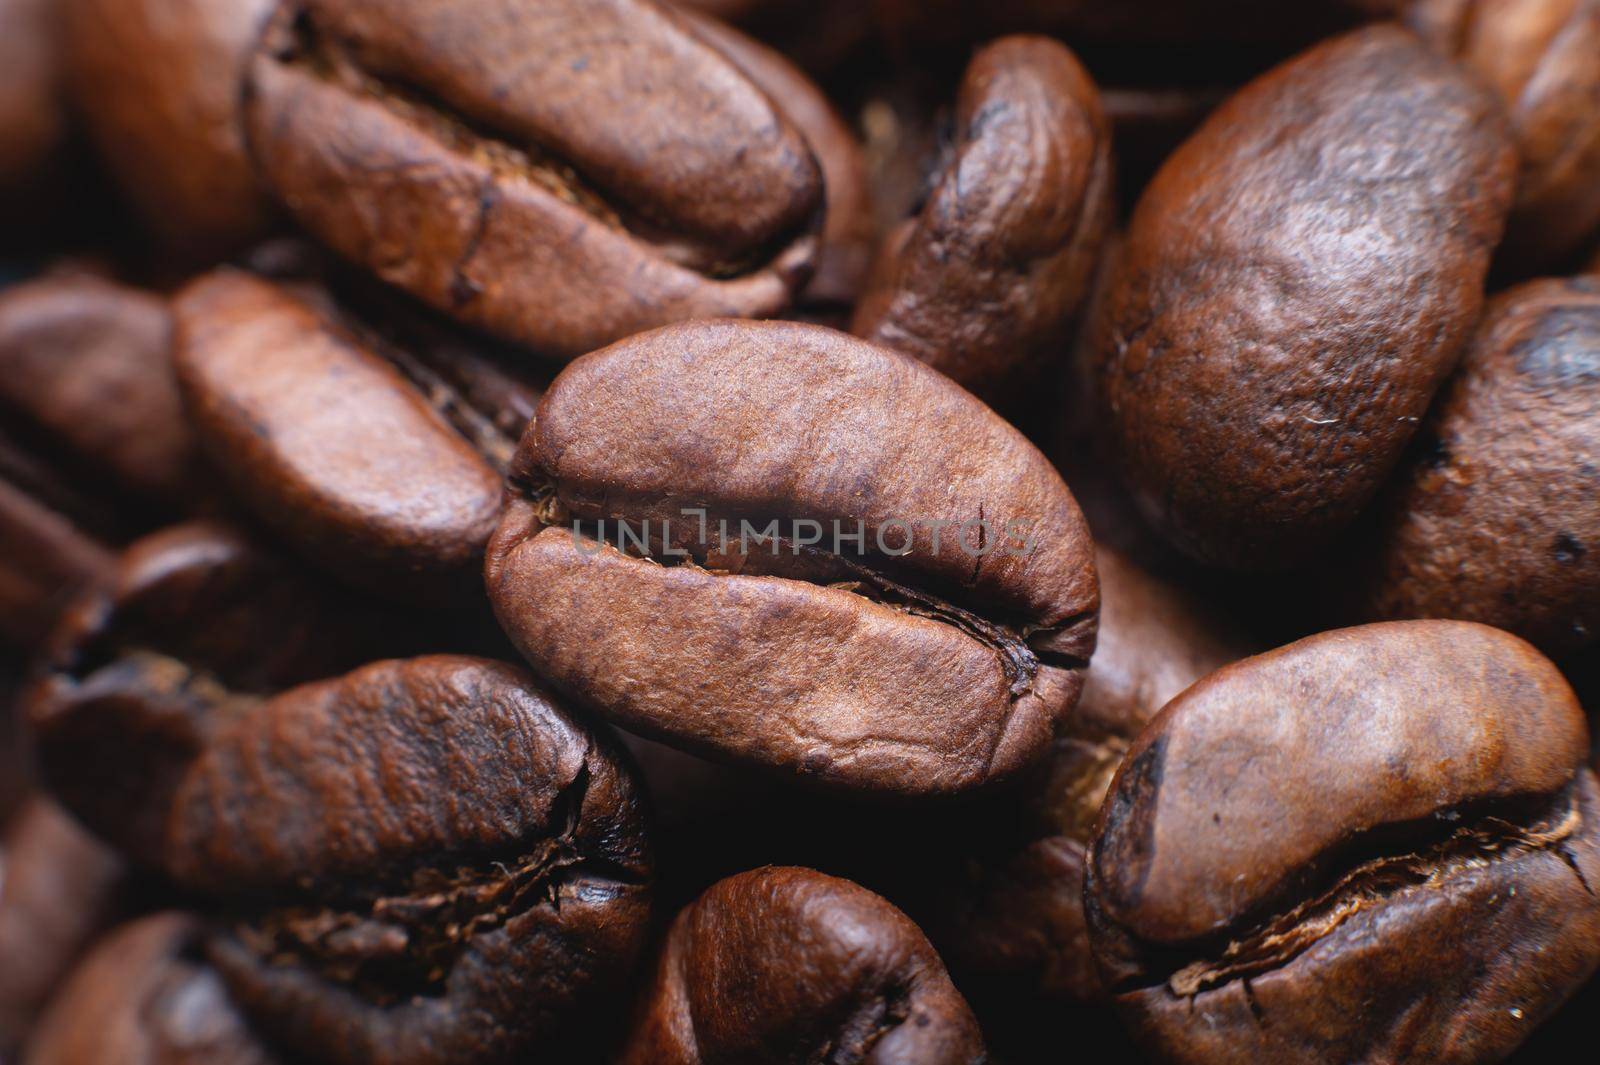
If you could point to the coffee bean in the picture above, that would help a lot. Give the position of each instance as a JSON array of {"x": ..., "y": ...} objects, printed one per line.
[
  {"x": 1501, "y": 524},
  {"x": 786, "y": 964},
  {"x": 536, "y": 200},
  {"x": 1544, "y": 58},
  {"x": 985, "y": 282},
  {"x": 146, "y": 994},
  {"x": 1295, "y": 284},
  {"x": 158, "y": 84},
  {"x": 331, "y": 445},
  {"x": 932, "y": 654},
  {"x": 1376, "y": 844}
]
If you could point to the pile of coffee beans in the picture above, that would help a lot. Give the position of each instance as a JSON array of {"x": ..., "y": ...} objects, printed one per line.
[{"x": 763, "y": 532}]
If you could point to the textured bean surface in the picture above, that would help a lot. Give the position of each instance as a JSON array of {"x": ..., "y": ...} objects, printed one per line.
[
  {"x": 1498, "y": 518},
  {"x": 934, "y": 671},
  {"x": 787, "y": 965},
  {"x": 1295, "y": 283},
  {"x": 1375, "y": 844}
]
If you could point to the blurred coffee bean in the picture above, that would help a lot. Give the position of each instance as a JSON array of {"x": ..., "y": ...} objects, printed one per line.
[
  {"x": 1544, "y": 58},
  {"x": 822, "y": 519},
  {"x": 86, "y": 376},
  {"x": 424, "y": 860},
  {"x": 1295, "y": 284},
  {"x": 985, "y": 282},
  {"x": 332, "y": 446},
  {"x": 58, "y": 889},
  {"x": 1497, "y": 516},
  {"x": 634, "y": 176},
  {"x": 785, "y": 964},
  {"x": 1377, "y": 844},
  {"x": 158, "y": 84},
  {"x": 147, "y": 995}
]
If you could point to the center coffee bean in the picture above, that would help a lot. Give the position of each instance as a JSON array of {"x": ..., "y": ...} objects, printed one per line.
[{"x": 931, "y": 653}]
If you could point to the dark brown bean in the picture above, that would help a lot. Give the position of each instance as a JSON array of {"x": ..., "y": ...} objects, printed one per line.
[
  {"x": 1373, "y": 845},
  {"x": 1295, "y": 284},
  {"x": 985, "y": 282},
  {"x": 910, "y": 661},
  {"x": 1497, "y": 519},
  {"x": 536, "y": 201},
  {"x": 784, "y": 965}
]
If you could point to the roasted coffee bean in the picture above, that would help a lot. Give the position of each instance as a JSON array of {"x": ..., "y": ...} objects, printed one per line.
[
  {"x": 632, "y": 176},
  {"x": 786, "y": 965},
  {"x": 849, "y": 231},
  {"x": 424, "y": 860},
  {"x": 86, "y": 379},
  {"x": 193, "y": 622},
  {"x": 1019, "y": 922},
  {"x": 1374, "y": 845},
  {"x": 33, "y": 120},
  {"x": 58, "y": 888},
  {"x": 932, "y": 653},
  {"x": 158, "y": 84},
  {"x": 333, "y": 446},
  {"x": 147, "y": 995},
  {"x": 1295, "y": 284},
  {"x": 1497, "y": 517},
  {"x": 1544, "y": 58},
  {"x": 985, "y": 282}
]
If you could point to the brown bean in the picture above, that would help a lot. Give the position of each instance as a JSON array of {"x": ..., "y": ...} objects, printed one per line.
[
  {"x": 855, "y": 663},
  {"x": 985, "y": 282},
  {"x": 1376, "y": 844},
  {"x": 535, "y": 200},
  {"x": 1295, "y": 284}
]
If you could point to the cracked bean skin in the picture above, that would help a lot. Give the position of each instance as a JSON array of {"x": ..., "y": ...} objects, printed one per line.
[
  {"x": 1543, "y": 56},
  {"x": 784, "y": 965},
  {"x": 1496, "y": 517},
  {"x": 330, "y": 444},
  {"x": 985, "y": 282},
  {"x": 932, "y": 672},
  {"x": 562, "y": 204},
  {"x": 1296, "y": 282},
  {"x": 1373, "y": 845},
  {"x": 146, "y": 995}
]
